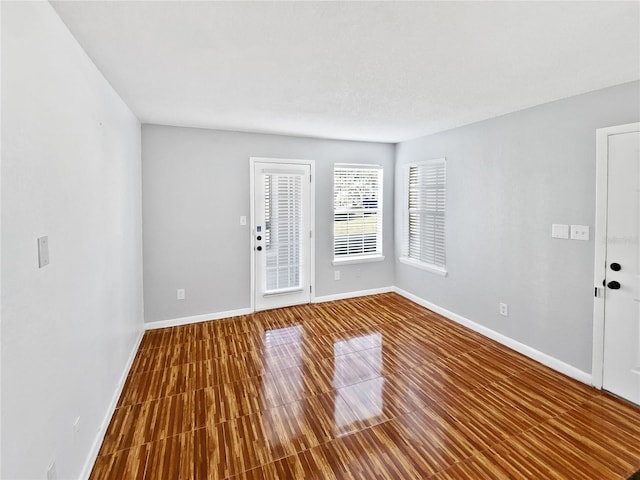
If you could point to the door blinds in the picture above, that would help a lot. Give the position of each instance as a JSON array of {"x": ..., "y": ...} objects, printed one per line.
[{"x": 283, "y": 232}]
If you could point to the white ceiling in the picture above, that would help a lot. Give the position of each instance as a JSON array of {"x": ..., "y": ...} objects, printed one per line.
[{"x": 379, "y": 71}]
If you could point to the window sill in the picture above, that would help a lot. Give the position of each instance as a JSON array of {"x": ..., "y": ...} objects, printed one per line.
[
  {"x": 424, "y": 266},
  {"x": 362, "y": 259}
]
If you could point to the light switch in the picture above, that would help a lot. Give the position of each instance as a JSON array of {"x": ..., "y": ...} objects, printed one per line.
[
  {"x": 559, "y": 230},
  {"x": 579, "y": 232},
  {"x": 43, "y": 252},
  {"x": 243, "y": 220}
]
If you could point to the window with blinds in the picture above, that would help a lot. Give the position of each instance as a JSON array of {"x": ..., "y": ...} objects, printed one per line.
[
  {"x": 357, "y": 212},
  {"x": 283, "y": 234},
  {"x": 425, "y": 242}
]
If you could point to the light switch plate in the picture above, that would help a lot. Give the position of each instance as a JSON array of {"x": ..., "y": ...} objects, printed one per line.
[
  {"x": 559, "y": 230},
  {"x": 43, "y": 252},
  {"x": 579, "y": 232},
  {"x": 243, "y": 220}
]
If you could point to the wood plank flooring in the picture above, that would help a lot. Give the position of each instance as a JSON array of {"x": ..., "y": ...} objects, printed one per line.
[{"x": 374, "y": 387}]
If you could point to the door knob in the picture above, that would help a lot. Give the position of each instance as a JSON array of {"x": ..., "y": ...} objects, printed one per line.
[
  {"x": 615, "y": 267},
  {"x": 613, "y": 285},
  {"x": 259, "y": 237},
  {"x": 259, "y": 248}
]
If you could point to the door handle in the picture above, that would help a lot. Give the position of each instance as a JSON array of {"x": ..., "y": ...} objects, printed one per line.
[
  {"x": 259, "y": 248},
  {"x": 613, "y": 285}
]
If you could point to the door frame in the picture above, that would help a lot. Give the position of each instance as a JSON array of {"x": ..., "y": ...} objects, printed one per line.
[
  {"x": 600, "y": 238},
  {"x": 312, "y": 220}
]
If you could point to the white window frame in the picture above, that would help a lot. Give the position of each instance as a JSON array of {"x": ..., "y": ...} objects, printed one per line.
[
  {"x": 404, "y": 257},
  {"x": 376, "y": 256}
]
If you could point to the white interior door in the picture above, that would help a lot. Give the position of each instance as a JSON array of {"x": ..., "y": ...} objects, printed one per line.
[
  {"x": 281, "y": 234},
  {"x": 621, "y": 369}
]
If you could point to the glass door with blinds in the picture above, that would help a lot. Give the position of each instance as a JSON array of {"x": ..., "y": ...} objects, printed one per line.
[{"x": 281, "y": 234}]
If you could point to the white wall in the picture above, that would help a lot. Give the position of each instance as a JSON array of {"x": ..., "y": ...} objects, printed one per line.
[
  {"x": 70, "y": 170},
  {"x": 508, "y": 180},
  {"x": 196, "y": 187}
]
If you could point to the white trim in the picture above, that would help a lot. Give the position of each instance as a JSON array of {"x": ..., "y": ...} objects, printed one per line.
[
  {"x": 358, "y": 293},
  {"x": 423, "y": 266},
  {"x": 312, "y": 220},
  {"x": 600, "y": 237},
  {"x": 357, "y": 259},
  {"x": 427, "y": 162},
  {"x": 282, "y": 291},
  {"x": 526, "y": 350},
  {"x": 358, "y": 166},
  {"x": 97, "y": 443},
  {"x": 293, "y": 161},
  {"x": 174, "y": 322},
  {"x": 530, "y": 352}
]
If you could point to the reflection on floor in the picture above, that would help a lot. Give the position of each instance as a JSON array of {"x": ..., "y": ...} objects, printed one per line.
[{"x": 374, "y": 387}]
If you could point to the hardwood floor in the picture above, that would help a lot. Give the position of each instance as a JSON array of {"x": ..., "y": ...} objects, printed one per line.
[{"x": 374, "y": 387}]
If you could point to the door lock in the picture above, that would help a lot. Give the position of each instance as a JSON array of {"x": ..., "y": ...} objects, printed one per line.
[
  {"x": 616, "y": 267},
  {"x": 259, "y": 248},
  {"x": 613, "y": 285}
]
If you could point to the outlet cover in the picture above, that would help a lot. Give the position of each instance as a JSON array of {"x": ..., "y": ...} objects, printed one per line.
[
  {"x": 504, "y": 309},
  {"x": 181, "y": 294},
  {"x": 336, "y": 274},
  {"x": 579, "y": 232}
]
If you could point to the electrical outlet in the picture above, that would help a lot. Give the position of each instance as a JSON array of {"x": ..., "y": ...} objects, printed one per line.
[
  {"x": 336, "y": 274},
  {"x": 51, "y": 470},
  {"x": 243, "y": 220},
  {"x": 181, "y": 294},
  {"x": 504, "y": 309},
  {"x": 579, "y": 232}
]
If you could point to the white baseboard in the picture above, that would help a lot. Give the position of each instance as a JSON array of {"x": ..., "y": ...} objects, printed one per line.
[
  {"x": 530, "y": 352},
  {"x": 359, "y": 293},
  {"x": 174, "y": 322},
  {"x": 97, "y": 443}
]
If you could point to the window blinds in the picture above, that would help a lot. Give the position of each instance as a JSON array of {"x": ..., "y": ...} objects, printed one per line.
[
  {"x": 426, "y": 219},
  {"x": 357, "y": 207},
  {"x": 283, "y": 231}
]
